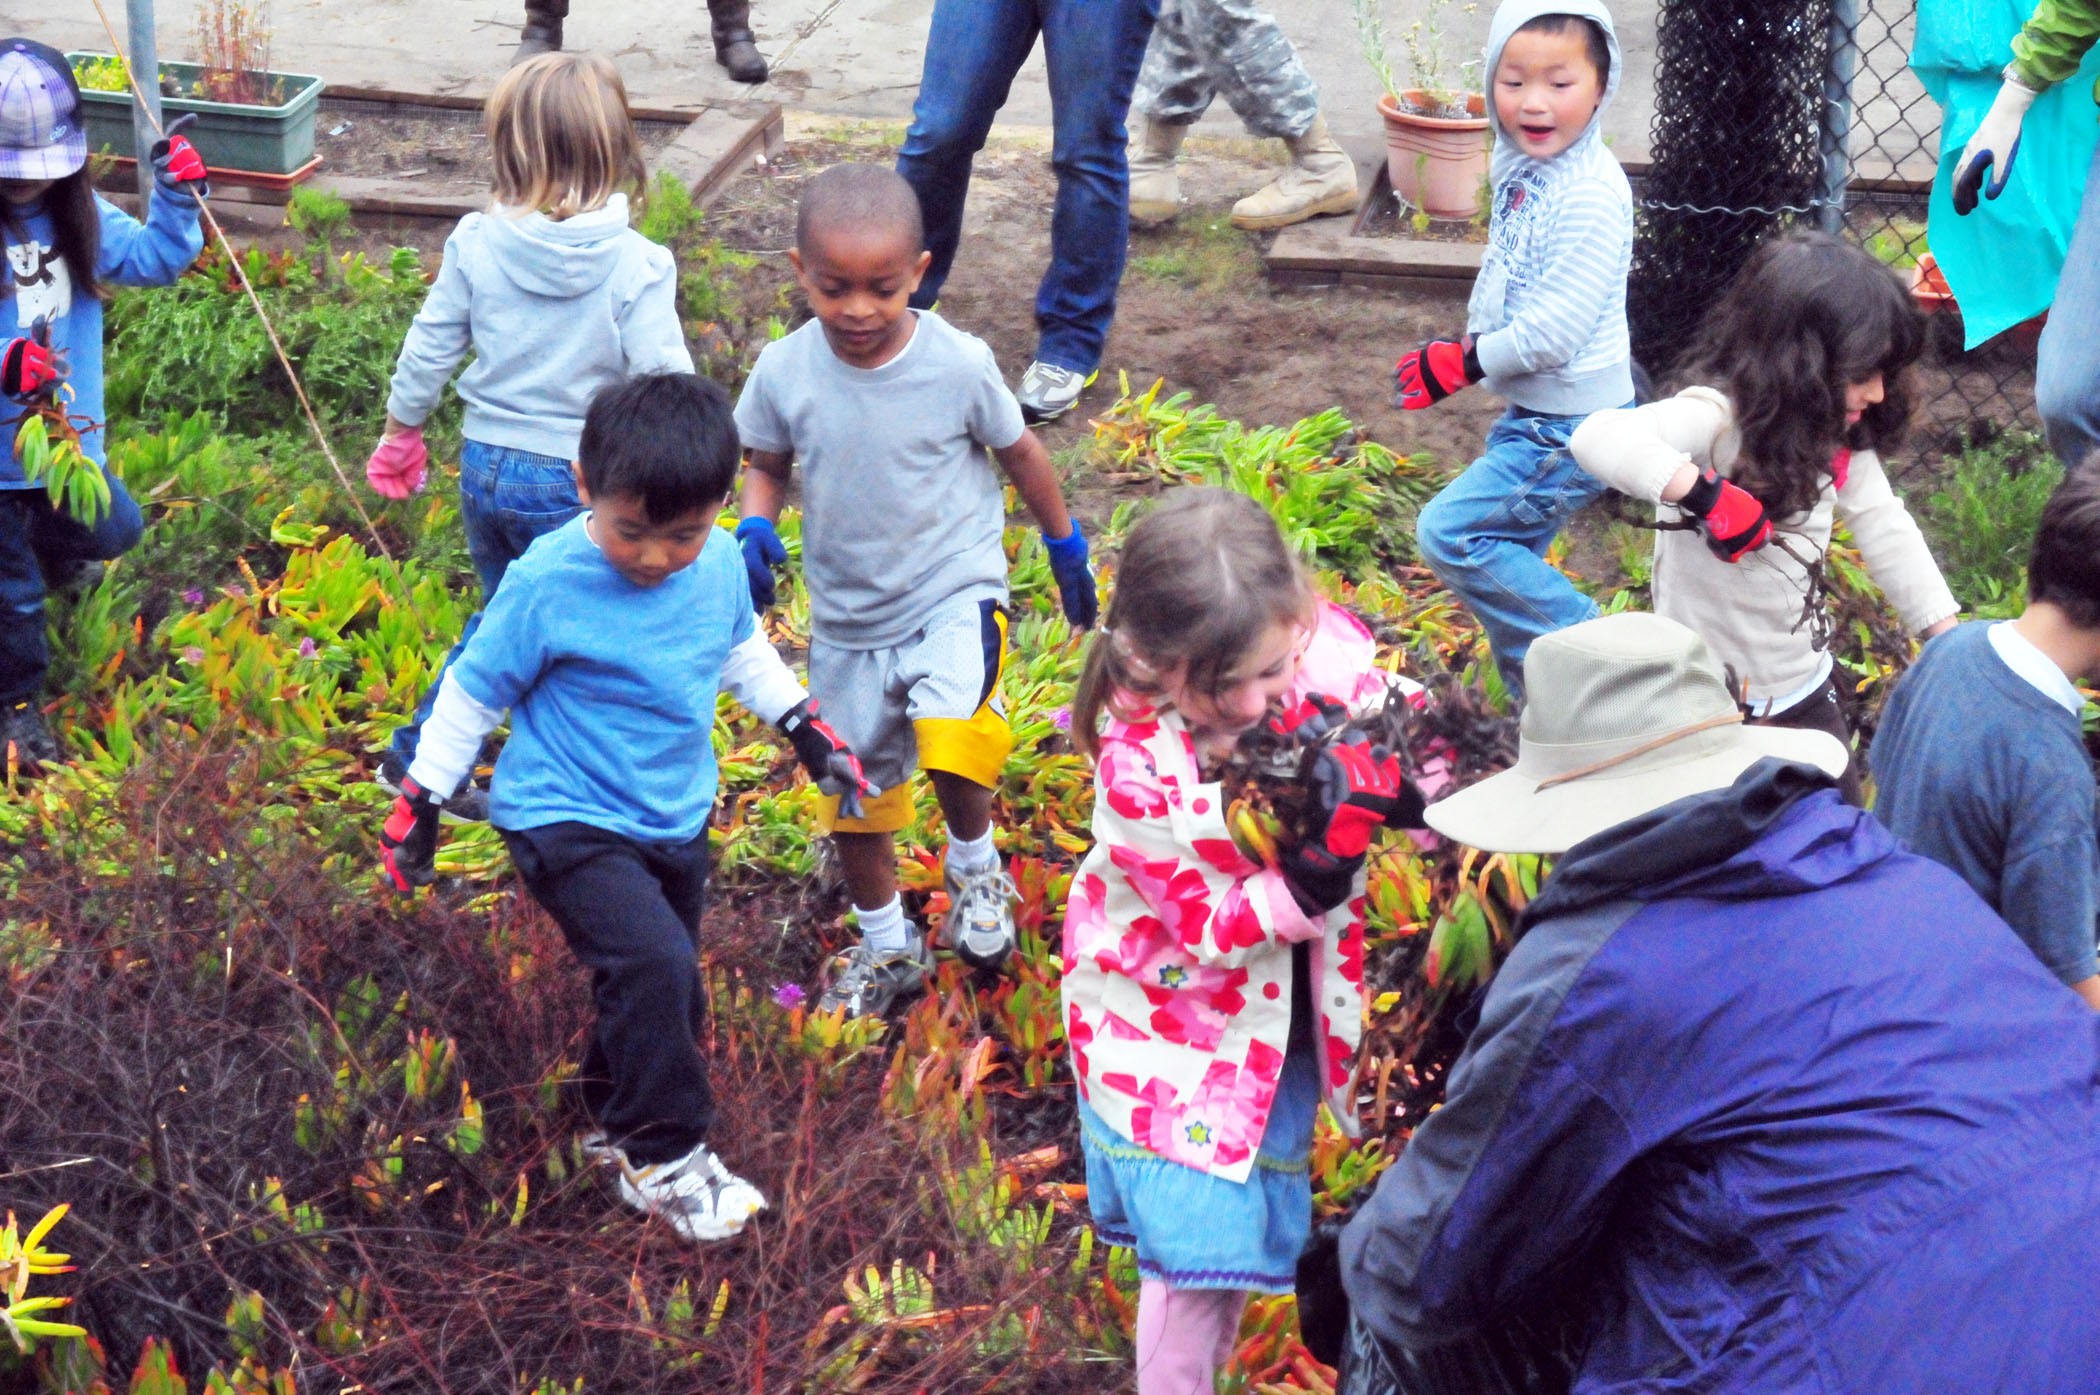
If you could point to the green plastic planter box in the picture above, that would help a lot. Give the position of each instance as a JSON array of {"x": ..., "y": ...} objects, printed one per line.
[{"x": 230, "y": 136}]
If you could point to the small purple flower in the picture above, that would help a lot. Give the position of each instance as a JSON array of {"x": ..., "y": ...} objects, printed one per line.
[
  {"x": 306, "y": 648},
  {"x": 789, "y": 996},
  {"x": 193, "y": 596},
  {"x": 193, "y": 654},
  {"x": 1062, "y": 719}
]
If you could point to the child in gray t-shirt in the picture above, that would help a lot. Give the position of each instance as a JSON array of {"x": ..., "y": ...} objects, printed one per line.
[{"x": 891, "y": 413}]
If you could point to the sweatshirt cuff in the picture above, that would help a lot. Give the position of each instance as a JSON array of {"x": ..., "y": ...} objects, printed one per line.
[
  {"x": 1497, "y": 352},
  {"x": 1286, "y": 916}
]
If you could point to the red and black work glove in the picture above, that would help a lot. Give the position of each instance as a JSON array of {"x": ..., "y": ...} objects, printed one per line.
[
  {"x": 1304, "y": 722},
  {"x": 825, "y": 755},
  {"x": 1731, "y": 517},
  {"x": 1435, "y": 371},
  {"x": 1355, "y": 789},
  {"x": 177, "y": 167},
  {"x": 28, "y": 366},
  {"x": 408, "y": 840}
]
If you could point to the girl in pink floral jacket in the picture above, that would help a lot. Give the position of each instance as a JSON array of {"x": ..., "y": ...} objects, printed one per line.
[{"x": 1212, "y": 1000}]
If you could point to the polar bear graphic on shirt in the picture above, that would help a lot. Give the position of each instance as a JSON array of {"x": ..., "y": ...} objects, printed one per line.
[{"x": 43, "y": 286}]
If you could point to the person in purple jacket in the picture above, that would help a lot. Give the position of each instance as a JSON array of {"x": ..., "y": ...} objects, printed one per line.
[{"x": 1760, "y": 1101}]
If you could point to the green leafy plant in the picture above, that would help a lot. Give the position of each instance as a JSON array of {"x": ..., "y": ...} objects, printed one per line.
[
  {"x": 102, "y": 73},
  {"x": 1438, "y": 84}
]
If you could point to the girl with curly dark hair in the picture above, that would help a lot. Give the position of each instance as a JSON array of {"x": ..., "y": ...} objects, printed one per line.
[{"x": 1797, "y": 382}]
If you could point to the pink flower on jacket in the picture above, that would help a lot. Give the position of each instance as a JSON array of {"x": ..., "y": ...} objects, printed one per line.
[
  {"x": 1079, "y": 1035},
  {"x": 1125, "y": 778},
  {"x": 1177, "y": 894},
  {"x": 1191, "y": 1003},
  {"x": 1225, "y": 855}
]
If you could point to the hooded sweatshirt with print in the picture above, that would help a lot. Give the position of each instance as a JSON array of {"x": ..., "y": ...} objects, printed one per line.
[
  {"x": 1548, "y": 312},
  {"x": 553, "y": 311}
]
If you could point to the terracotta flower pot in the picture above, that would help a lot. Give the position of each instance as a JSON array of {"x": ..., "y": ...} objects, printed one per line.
[
  {"x": 1928, "y": 287},
  {"x": 1436, "y": 162}
]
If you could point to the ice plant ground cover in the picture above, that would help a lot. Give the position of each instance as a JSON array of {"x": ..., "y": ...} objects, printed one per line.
[{"x": 316, "y": 1138}]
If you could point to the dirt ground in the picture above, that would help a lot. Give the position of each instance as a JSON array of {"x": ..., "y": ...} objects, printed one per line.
[
  {"x": 1194, "y": 307},
  {"x": 441, "y": 152}
]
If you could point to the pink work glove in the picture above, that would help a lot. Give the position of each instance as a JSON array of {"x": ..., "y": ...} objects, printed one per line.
[{"x": 397, "y": 467}]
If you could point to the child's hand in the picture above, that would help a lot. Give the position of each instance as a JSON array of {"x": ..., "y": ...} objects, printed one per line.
[
  {"x": 1071, "y": 565},
  {"x": 825, "y": 755},
  {"x": 1305, "y": 722},
  {"x": 408, "y": 839},
  {"x": 1435, "y": 371},
  {"x": 1356, "y": 789},
  {"x": 398, "y": 466},
  {"x": 1731, "y": 517},
  {"x": 177, "y": 167},
  {"x": 28, "y": 365},
  {"x": 763, "y": 551}
]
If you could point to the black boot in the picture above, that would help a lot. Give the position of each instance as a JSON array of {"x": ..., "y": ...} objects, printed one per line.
[
  {"x": 735, "y": 47},
  {"x": 542, "y": 31}
]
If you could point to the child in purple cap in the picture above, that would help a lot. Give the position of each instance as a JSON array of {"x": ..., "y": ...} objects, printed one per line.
[{"x": 63, "y": 245}]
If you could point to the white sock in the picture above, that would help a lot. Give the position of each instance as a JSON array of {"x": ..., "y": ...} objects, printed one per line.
[
  {"x": 971, "y": 855},
  {"x": 885, "y": 929}
]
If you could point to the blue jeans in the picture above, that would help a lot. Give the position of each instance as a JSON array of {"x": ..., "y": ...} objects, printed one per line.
[
  {"x": 2067, "y": 366},
  {"x": 38, "y": 541},
  {"x": 1093, "y": 49},
  {"x": 1486, "y": 534},
  {"x": 506, "y": 499}
]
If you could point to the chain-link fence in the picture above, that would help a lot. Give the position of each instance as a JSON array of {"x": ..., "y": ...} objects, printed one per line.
[{"x": 1755, "y": 99}]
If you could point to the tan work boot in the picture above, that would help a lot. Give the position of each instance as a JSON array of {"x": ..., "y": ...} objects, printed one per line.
[
  {"x": 1321, "y": 179},
  {"x": 1155, "y": 189}
]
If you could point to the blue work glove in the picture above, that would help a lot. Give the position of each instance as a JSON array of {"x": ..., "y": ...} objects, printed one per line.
[
  {"x": 763, "y": 551},
  {"x": 1070, "y": 563}
]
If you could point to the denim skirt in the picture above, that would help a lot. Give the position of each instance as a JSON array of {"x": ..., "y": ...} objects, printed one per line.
[{"x": 1193, "y": 1230}]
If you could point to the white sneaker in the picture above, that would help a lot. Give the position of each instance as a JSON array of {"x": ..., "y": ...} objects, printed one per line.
[
  {"x": 1047, "y": 392},
  {"x": 981, "y": 916},
  {"x": 696, "y": 1195}
]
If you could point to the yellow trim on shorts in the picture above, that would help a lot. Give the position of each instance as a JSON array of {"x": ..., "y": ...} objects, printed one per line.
[
  {"x": 885, "y": 813},
  {"x": 975, "y": 748}
]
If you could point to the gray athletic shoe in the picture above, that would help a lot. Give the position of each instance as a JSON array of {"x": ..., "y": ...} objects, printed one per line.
[
  {"x": 868, "y": 982},
  {"x": 1047, "y": 392},
  {"x": 468, "y": 804},
  {"x": 981, "y": 916},
  {"x": 696, "y": 1195}
]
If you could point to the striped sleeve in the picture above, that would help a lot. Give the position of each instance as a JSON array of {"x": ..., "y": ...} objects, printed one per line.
[{"x": 1582, "y": 276}]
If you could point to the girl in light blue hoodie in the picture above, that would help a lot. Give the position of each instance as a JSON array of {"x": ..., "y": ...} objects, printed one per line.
[{"x": 557, "y": 297}]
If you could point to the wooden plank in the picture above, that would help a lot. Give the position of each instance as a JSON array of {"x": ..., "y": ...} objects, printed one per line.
[
  {"x": 451, "y": 102},
  {"x": 1309, "y": 248},
  {"x": 718, "y": 146}
]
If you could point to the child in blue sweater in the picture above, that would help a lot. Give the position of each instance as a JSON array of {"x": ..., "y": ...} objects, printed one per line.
[
  {"x": 1546, "y": 327},
  {"x": 607, "y": 643},
  {"x": 556, "y": 297},
  {"x": 1980, "y": 760},
  {"x": 65, "y": 245}
]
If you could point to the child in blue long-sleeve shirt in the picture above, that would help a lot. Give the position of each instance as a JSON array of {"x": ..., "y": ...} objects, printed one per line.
[{"x": 64, "y": 246}]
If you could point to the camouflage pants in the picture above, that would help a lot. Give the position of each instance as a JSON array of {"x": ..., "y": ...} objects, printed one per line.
[{"x": 1202, "y": 49}]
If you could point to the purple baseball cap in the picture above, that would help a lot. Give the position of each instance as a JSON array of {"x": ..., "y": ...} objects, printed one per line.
[{"x": 41, "y": 133}]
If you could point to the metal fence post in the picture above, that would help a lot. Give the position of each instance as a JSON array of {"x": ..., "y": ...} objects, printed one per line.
[
  {"x": 1837, "y": 114},
  {"x": 145, "y": 66}
]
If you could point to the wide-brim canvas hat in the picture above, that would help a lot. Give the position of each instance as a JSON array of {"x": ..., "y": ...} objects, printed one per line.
[
  {"x": 42, "y": 133},
  {"x": 1623, "y": 714}
]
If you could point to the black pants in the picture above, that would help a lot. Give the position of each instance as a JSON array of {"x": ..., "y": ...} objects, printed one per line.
[
  {"x": 630, "y": 911},
  {"x": 1822, "y": 711}
]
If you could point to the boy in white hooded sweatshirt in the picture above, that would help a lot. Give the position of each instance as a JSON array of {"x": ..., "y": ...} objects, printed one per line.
[
  {"x": 557, "y": 297},
  {"x": 1546, "y": 326}
]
